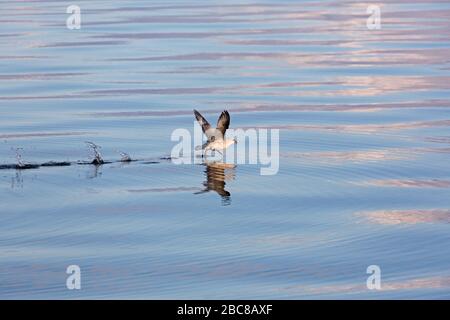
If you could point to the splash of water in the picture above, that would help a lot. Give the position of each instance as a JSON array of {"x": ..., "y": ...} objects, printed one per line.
[
  {"x": 19, "y": 157},
  {"x": 98, "y": 159},
  {"x": 125, "y": 157}
]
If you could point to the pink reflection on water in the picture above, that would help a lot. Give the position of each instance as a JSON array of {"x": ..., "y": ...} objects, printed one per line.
[
  {"x": 41, "y": 134},
  {"x": 363, "y": 128},
  {"x": 435, "y": 183},
  {"x": 436, "y": 282},
  {"x": 394, "y": 217},
  {"x": 339, "y": 157}
]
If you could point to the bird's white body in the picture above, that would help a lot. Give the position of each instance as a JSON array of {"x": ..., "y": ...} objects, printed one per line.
[
  {"x": 216, "y": 136},
  {"x": 219, "y": 145}
]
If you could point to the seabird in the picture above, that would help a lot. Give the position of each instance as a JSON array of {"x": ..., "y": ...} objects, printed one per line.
[{"x": 216, "y": 137}]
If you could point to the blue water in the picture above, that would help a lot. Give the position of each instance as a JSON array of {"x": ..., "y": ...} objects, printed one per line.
[{"x": 364, "y": 175}]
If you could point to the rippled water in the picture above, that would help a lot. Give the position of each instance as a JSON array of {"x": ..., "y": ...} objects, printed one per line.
[{"x": 364, "y": 175}]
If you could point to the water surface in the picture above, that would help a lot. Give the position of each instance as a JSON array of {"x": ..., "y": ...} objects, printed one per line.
[{"x": 364, "y": 175}]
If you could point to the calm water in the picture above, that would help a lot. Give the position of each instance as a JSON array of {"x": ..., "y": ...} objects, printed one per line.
[{"x": 364, "y": 177}]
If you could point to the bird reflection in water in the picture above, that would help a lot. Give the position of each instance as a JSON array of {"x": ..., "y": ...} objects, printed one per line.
[{"x": 217, "y": 173}]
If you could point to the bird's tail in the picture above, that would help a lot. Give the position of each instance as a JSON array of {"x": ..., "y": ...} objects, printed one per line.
[{"x": 203, "y": 146}]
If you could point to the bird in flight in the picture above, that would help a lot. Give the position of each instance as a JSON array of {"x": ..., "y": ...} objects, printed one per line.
[{"x": 216, "y": 136}]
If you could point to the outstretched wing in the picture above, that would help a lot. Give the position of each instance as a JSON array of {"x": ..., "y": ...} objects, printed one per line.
[
  {"x": 224, "y": 122},
  {"x": 202, "y": 122}
]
